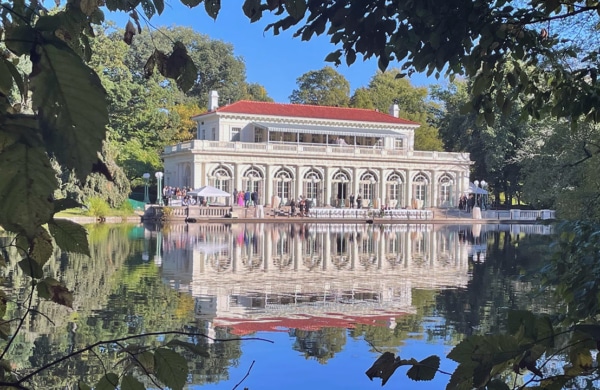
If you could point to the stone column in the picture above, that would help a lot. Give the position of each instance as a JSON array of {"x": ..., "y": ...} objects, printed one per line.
[
  {"x": 354, "y": 182},
  {"x": 237, "y": 178},
  {"x": 382, "y": 195},
  {"x": 269, "y": 186},
  {"x": 434, "y": 189},
  {"x": 408, "y": 188},
  {"x": 327, "y": 186},
  {"x": 299, "y": 181}
]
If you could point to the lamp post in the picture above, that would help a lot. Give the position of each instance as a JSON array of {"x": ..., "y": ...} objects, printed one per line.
[
  {"x": 476, "y": 182},
  {"x": 159, "y": 198},
  {"x": 146, "y": 177}
]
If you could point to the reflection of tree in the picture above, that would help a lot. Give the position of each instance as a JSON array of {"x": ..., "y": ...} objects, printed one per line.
[
  {"x": 116, "y": 295},
  {"x": 399, "y": 327},
  {"x": 222, "y": 356},
  {"x": 322, "y": 344},
  {"x": 494, "y": 286}
]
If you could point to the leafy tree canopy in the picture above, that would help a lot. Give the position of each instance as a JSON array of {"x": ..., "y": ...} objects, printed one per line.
[
  {"x": 325, "y": 87},
  {"x": 492, "y": 41}
]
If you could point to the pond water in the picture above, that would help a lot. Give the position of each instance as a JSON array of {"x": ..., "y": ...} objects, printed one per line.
[{"x": 308, "y": 305}]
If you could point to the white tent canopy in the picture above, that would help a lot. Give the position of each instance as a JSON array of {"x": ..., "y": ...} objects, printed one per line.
[
  {"x": 476, "y": 190},
  {"x": 208, "y": 192}
]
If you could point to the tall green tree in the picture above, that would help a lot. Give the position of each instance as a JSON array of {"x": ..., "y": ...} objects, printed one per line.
[
  {"x": 492, "y": 148},
  {"x": 559, "y": 169},
  {"x": 257, "y": 92},
  {"x": 218, "y": 68},
  {"x": 385, "y": 89},
  {"x": 325, "y": 87}
]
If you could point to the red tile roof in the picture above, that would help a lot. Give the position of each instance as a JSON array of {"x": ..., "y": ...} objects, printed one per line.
[
  {"x": 309, "y": 111},
  {"x": 242, "y": 327}
]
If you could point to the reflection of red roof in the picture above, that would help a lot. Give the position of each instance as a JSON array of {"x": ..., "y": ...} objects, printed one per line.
[
  {"x": 308, "y": 111},
  {"x": 243, "y": 327}
]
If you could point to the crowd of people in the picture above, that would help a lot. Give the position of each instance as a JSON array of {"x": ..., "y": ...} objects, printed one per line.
[
  {"x": 301, "y": 208},
  {"x": 245, "y": 198}
]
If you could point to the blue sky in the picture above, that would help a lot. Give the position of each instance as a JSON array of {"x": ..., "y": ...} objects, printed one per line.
[{"x": 272, "y": 61}]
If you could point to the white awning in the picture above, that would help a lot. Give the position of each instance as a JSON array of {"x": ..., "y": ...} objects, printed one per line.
[{"x": 329, "y": 130}]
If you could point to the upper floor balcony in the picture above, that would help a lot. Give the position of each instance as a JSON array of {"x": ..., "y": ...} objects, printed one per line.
[{"x": 291, "y": 149}]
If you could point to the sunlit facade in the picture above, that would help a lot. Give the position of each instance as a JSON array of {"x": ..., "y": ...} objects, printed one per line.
[{"x": 326, "y": 154}]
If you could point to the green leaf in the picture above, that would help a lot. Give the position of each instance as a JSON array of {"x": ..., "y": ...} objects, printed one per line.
[
  {"x": 31, "y": 268},
  {"x": 6, "y": 78},
  {"x": 108, "y": 382},
  {"x": 591, "y": 330},
  {"x": 462, "y": 377},
  {"x": 519, "y": 318},
  {"x": 146, "y": 360},
  {"x": 69, "y": 236},
  {"x": 252, "y": 10},
  {"x": 424, "y": 370},
  {"x": 191, "y": 3},
  {"x": 497, "y": 384},
  {"x": 81, "y": 385},
  {"x": 3, "y": 301},
  {"x": 42, "y": 247},
  {"x": 171, "y": 368},
  {"x": 160, "y": 6},
  {"x": 296, "y": 8},
  {"x": 17, "y": 76},
  {"x": 66, "y": 204},
  {"x": 19, "y": 39},
  {"x": 73, "y": 104},
  {"x": 212, "y": 8},
  {"x": 130, "y": 383},
  {"x": 4, "y": 330},
  {"x": 54, "y": 291},
  {"x": 28, "y": 181}
]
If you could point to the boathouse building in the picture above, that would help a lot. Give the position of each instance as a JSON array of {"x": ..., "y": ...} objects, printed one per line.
[{"x": 326, "y": 154}]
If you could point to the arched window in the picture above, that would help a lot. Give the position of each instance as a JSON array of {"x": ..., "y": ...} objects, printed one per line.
[
  {"x": 253, "y": 181},
  {"x": 395, "y": 184},
  {"x": 341, "y": 187},
  {"x": 445, "y": 191},
  {"x": 420, "y": 184},
  {"x": 284, "y": 185},
  {"x": 221, "y": 179},
  {"x": 368, "y": 188},
  {"x": 313, "y": 186}
]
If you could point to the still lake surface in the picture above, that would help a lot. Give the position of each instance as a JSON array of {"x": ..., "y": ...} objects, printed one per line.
[{"x": 327, "y": 299}]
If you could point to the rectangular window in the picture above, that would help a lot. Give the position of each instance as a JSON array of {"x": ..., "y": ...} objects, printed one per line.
[
  {"x": 258, "y": 134},
  {"x": 214, "y": 133},
  {"x": 235, "y": 134},
  {"x": 398, "y": 143},
  {"x": 203, "y": 134}
]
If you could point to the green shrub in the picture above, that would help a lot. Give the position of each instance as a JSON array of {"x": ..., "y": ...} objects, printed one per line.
[
  {"x": 97, "y": 207},
  {"x": 126, "y": 208}
]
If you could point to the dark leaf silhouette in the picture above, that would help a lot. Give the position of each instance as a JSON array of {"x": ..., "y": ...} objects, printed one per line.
[{"x": 384, "y": 367}]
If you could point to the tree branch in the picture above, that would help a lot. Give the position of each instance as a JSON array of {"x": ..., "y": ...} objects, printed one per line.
[{"x": 98, "y": 343}]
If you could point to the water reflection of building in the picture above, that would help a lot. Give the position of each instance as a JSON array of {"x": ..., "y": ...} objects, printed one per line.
[{"x": 253, "y": 271}]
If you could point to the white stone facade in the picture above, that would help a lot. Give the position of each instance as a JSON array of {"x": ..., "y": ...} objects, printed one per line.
[{"x": 285, "y": 151}]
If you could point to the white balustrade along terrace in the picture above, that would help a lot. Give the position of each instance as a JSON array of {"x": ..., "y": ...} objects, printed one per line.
[
  {"x": 519, "y": 215},
  {"x": 291, "y": 149}
]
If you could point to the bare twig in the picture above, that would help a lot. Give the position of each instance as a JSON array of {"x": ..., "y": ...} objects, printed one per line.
[{"x": 245, "y": 376}]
